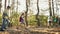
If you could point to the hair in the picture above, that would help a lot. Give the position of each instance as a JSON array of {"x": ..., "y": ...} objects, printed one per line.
[{"x": 22, "y": 14}]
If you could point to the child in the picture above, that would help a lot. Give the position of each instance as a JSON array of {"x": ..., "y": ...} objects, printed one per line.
[
  {"x": 21, "y": 21},
  {"x": 5, "y": 22},
  {"x": 22, "y": 18},
  {"x": 49, "y": 21}
]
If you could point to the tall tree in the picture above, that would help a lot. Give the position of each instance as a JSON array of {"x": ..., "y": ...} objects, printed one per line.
[
  {"x": 27, "y": 5},
  {"x": 37, "y": 15},
  {"x": 5, "y": 4},
  {"x": 57, "y": 4},
  {"x": 26, "y": 13},
  {"x": 53, "y": 6},
  {"x": 0, "y": 5},
  {"x": 50, "y": 8}
]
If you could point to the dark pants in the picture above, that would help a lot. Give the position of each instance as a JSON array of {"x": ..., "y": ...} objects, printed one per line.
[
  {"x": 5, "y": 23},
  {"x": 50, "y": 23},
  {"x": 59, "y": 22}
]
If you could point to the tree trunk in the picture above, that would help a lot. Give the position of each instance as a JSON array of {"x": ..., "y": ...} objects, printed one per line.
[
  {"x": 53, "y": 6},
  {"x": 37, "y": 15},
  {"x": 0, "y": 5},
  {"x": 57, "y": 9},
  {"x": 50, "y": 8},
  {"x": 5, "y": 4},
  {"x": 26, "y": 13}
]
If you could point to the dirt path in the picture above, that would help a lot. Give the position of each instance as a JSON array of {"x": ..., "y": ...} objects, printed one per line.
[{"x": 32, "y": 31}]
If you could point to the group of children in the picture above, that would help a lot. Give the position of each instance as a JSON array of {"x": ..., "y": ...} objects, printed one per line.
[
  {"x": 6, "y": 21},
  {"x": 53, "y": 21}
]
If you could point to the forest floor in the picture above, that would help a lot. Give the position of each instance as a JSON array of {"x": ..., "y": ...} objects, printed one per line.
[{"x": 31, "y": 30}]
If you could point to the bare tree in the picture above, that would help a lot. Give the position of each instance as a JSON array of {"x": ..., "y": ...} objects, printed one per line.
[
  {"x": 57, "y": 8},
  {"x": 0, "y": 5},
  {"x": 27, "y": 5},
  {"x": 37, "y": 15},
  {"x": 50, "y": 8},
  {"x": 5, "y": 4},
  {"x": 53, "y": 6},
  {"x": 26, "y": 14}
]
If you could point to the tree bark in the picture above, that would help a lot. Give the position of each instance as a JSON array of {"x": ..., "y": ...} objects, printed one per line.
[
  {"x": 26, "y": 13},
  {"x": 37, "y": 15},
  {"x": 53, "y": 6},
  {"x": 5, "y": 4},
  {"x": 0, "y": 5},
  {"x": 50, "y": 7}
]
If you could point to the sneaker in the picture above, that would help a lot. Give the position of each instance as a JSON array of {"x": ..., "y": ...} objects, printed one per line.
[{"x": 2, "y": 29}]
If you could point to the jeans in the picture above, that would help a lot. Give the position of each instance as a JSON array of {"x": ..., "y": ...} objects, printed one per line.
[{"x": 5, "y": 23}]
